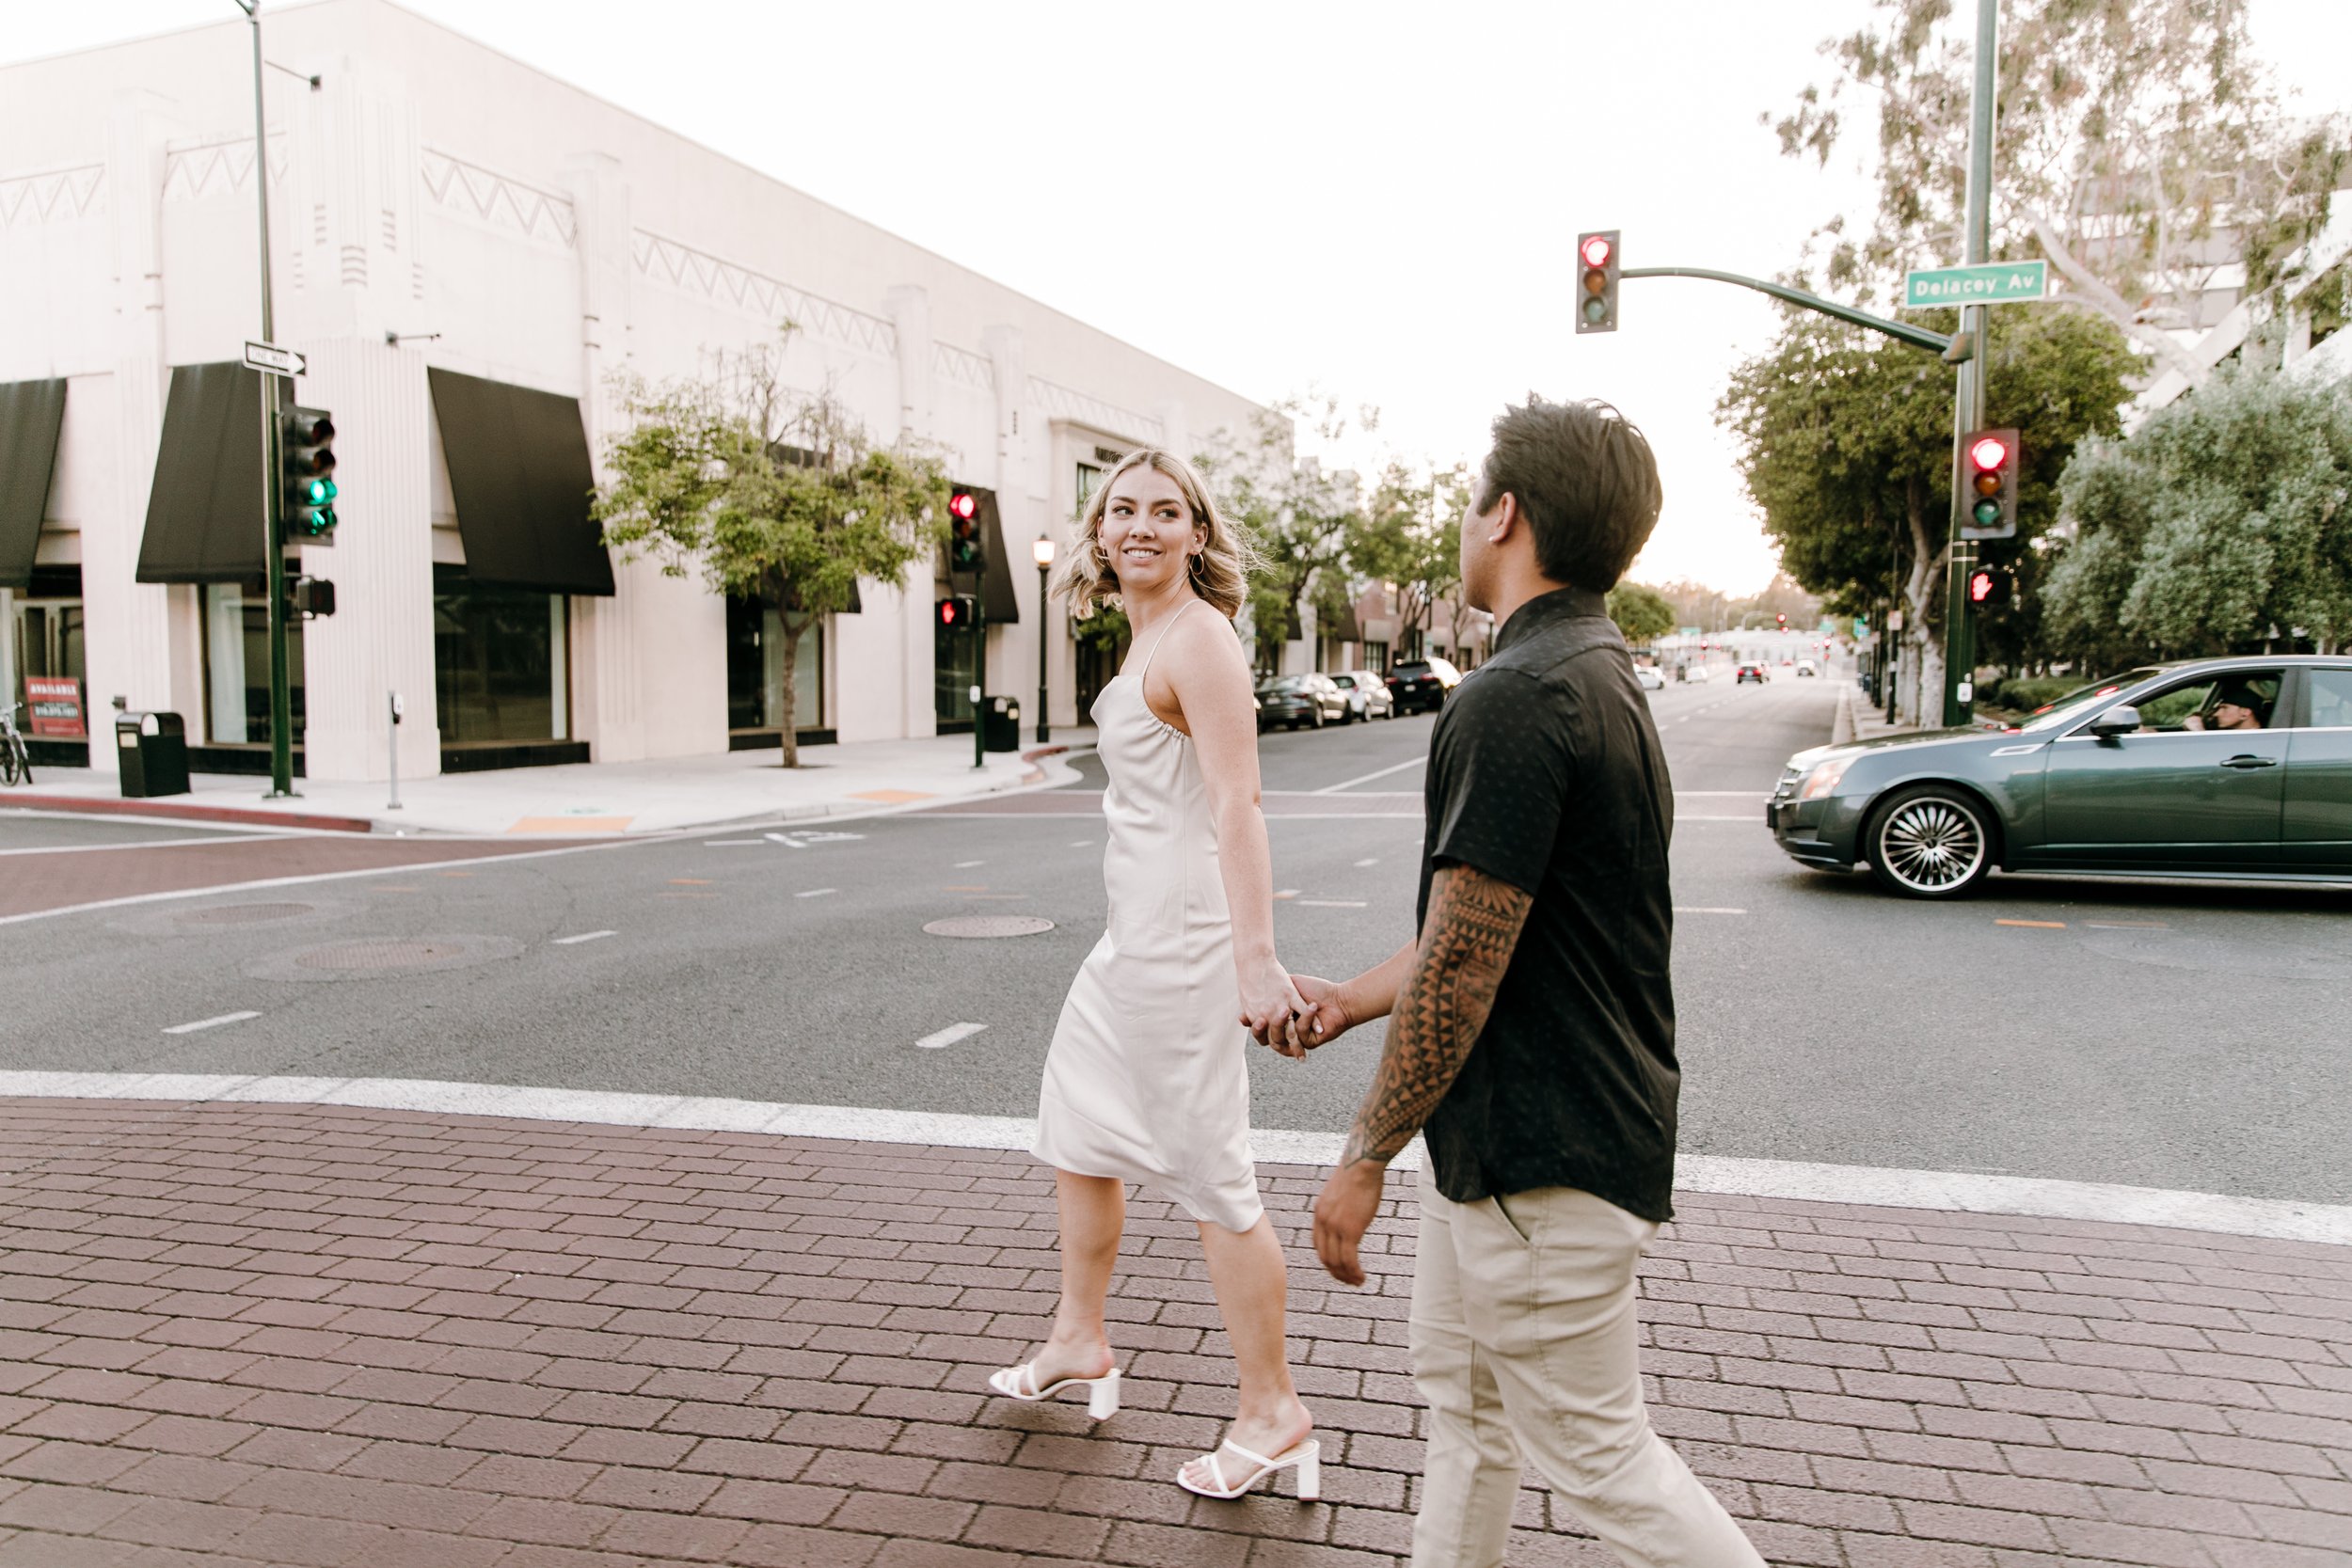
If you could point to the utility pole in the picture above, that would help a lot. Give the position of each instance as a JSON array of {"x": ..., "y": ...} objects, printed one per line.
[
  {"x": 273, "y": 549},
  {"x": 1960, "y": 632}
]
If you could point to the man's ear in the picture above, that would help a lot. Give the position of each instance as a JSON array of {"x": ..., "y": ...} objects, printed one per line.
[{"x": 1502, "y": 520}]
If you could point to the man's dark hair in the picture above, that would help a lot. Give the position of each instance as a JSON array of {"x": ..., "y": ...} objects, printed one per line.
[{"x": 1586, "y": 484}]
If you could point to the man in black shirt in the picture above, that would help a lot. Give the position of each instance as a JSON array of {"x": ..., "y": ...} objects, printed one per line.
[{"x": 1531, "y": 1032}]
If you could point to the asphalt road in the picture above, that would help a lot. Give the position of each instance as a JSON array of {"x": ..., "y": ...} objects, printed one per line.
[{"x": 2156, "y": 1034}]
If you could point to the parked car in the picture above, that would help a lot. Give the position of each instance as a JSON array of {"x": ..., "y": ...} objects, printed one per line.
[
  {"x": 1419, "y": 685},
  {"x": 1751, "y": 673},
  {"x": 1805, "y": 668},
  {"x": 1648, "y": 677},
  {"x": 1294, "y": 700},
  {"x": 2222, "y": 767},
  {"x": 1367, "y": 695}
]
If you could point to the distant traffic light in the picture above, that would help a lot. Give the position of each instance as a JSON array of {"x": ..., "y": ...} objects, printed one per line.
[
  {"x": 958, "y": 612},
  {"x": 1989, "y": 470},
  {"x": 1596, "y": 292},
  {"x": 307, "y": 463},
  {"x": 965, "y": 550},
  {"x": 1782, "y": 621}
]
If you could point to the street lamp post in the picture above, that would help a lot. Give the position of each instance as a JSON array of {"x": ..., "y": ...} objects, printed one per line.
[
  {"x": 273, "y": 548},
  {"x": 1043, "y": 548}
]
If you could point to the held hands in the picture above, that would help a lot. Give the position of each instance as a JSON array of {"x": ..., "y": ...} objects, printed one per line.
[
  {"x": 1270, "y": 1007},
  {"x": 1320, "y": 1018}
]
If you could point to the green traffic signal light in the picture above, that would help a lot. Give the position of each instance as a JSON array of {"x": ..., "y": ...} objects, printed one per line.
[{"x": 1988, "y": 514}]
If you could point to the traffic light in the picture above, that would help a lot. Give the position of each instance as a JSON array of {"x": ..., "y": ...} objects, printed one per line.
[
  {"x": 1988, "y": 588},
  {"x": 1596, "y": 295},
  {"x": 965, "y": 550},
  {"x": 958, "y": 612},
  {"x": 306, "y": 463},
  {"x": 1783, "y": 622},
  {"x": 1988, "y": 461}
]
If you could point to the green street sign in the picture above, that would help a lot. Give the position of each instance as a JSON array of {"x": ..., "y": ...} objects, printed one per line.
[
  {"x": 1690, "y": 631},
  {"x": 1994, "y": 283}
]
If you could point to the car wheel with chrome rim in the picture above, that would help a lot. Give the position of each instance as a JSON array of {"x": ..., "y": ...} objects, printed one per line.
[{"x": 1929, "y": 842}]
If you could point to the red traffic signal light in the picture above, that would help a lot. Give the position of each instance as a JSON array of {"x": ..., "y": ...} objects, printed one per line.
[
  {"x": 1989, "y": 477},
  {"x": 966, "y": 550},
  {"x": 963, "y": 506},
  {"x": 1597, "y": 302},
  {"x": 1782, "y": 621}
]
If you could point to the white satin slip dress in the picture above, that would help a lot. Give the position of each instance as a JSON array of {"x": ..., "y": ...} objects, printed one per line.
[{"x": 1147, "y": 1078}]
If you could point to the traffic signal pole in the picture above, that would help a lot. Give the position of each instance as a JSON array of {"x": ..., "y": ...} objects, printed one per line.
[
  {"x": 273, "y": 546},
  {"x": 1959, "y": 630}
]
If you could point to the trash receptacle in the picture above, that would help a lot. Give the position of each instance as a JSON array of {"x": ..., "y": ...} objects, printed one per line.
[
  {"x": 1000, "y": 727},
  {"x": 153, "y": 750}
]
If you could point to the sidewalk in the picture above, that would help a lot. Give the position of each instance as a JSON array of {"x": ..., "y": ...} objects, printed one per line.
[
  {"x": 1858, "y": 718},
  {"x": 593, "y": 799},
  {"x": 235, "y": 1335}
]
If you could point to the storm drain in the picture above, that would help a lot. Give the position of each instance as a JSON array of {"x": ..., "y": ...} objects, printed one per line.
[
  {"x": 989, "y": 926},
  {"x": 373, "y": 957}
]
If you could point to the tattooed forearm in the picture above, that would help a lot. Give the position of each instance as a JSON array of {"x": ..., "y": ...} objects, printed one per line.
[{"x": 1474, "y": 922}]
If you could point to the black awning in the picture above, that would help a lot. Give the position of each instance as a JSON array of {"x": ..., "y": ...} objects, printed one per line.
[
  {"x": 30, "y": 415},
  {"x": 1000, "y": 606},
  {"x": 205, "y": 519},
  {"x": 519, "y": 468}
]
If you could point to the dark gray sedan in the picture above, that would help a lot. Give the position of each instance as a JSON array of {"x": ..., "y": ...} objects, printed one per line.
[{"x": 2227, "y": 767}]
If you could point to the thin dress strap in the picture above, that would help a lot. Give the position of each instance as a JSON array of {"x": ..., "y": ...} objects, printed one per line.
[{"x": 1154, "y": 651}]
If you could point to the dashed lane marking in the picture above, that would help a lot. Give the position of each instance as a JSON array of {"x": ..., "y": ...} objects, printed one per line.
[
  {"x": 817, "y": 893},
  {"x": 210, "y": 1023},
  {"x": 966, "y": 865},
  {"x": 730, "y": 843},
  {"x": 948, "y": 1036},
  {"x": 1330, "y": 903},
  {"x": 584, "y": 936},
  {"x": 2037, "y": 925},
  {"x": 2127, "y": 925},
  {"x": 1369, "y": 859},
  {"x": 1287, "y": 892},
  {"x": 1703, "y": 908},
  {"x": 690, "y": 881},
  {"x": 962, "y": 887},
  {"x": 1367, "y": 777},
  {"x": 1081, "y": 844}
]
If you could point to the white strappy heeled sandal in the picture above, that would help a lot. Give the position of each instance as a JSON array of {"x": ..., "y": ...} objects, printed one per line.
[
  {"x": 1305, "y": 1457},
  {"x": 1019, "y": 1383}
]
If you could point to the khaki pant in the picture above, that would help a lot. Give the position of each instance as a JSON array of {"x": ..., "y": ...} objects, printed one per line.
[{"x": 1523, "y": 1344}]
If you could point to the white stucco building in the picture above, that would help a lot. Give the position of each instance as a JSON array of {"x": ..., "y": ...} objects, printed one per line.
[{"x": 466, "y": 249}]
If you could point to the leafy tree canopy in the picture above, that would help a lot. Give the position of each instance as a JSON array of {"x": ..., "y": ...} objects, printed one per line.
[
  {"x": 772, "y": 494},
  {"x": 2139, "y": 148},
  {"x": 1641, "y": 613},
  {"x": 2220, "y": 524}
]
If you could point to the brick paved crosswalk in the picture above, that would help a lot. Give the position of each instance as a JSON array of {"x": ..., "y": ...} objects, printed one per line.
[{"x": 247, "y": 1334}]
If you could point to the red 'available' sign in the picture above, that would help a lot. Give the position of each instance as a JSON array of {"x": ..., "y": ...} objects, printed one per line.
[{"x": 56, "y": 702}]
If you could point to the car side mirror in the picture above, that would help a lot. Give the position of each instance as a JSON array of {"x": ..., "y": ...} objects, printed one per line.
[{"x": 2116, "y": 721}]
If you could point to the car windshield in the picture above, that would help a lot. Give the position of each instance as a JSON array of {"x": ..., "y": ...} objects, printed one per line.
[
  {"x": 1286, "y": 683},
  {"x": 1411, "y": 668},
  {"x": 1348, "y": 681},
  {"x": 2080, "y": 701}
]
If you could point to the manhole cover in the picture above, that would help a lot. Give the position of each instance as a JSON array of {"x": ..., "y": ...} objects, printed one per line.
[
  {"x": 989, "y": 926},
  {"x": 370, "y": 958},
  {"x": 240, "y": 915},
  {"x": 381, "y": 954}
]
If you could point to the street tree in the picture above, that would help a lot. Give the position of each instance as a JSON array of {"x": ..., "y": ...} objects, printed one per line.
[
  {"x": 2223, "y": 524},
  {"x": 772, "y": 494},
  {"x": 1641, "y": 613},
  {"x": 2140, "y": 149},
  {"x": 1410, "y": 536},
  {"x": 1845, "y": 442},
  {"x": 1296, "y": 513}
]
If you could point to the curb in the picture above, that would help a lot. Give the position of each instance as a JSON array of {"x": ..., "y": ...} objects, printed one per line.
[
  {"x": 1841, "y": 729},
  {"x": 99, "y": 805}
]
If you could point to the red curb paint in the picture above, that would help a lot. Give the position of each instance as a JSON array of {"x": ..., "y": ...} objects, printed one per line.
[{"x": 101, "y": 806}]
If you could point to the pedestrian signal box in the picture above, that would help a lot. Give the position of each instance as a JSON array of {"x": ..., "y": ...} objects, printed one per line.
[{"x": 959, "y": 610}]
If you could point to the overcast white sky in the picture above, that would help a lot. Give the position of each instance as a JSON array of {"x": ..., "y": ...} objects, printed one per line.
[{"x": 1373, "y": 199}]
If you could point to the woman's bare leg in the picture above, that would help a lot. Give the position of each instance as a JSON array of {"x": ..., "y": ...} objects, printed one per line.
[
  {"x": 1093, "y": 1216},
  {"x": 1247, "y": 1268}
]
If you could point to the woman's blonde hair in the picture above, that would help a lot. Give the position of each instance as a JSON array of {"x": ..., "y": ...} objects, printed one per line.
[{"x": 1219, "y": 574}]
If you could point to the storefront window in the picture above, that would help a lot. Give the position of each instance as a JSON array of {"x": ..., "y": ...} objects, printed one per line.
[
  {"x": 45, "y": 640},
  {"x": 1089, "y": 481},
  {"x": 236, "y": 666},
  {"x": 953, "y": 663},
  {"x": 500, "y": 661},
  {"x": 755, "y": 670}
]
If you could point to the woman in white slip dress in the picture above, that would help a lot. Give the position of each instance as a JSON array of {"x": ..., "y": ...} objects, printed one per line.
[{"x": 1148, "y": 1079}]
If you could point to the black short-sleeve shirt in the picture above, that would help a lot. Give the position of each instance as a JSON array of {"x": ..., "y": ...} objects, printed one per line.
[{"x": 1546, "y": 772}]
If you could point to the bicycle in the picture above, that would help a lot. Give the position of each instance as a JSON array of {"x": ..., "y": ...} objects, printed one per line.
[{"x": 15, "y": 761}]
